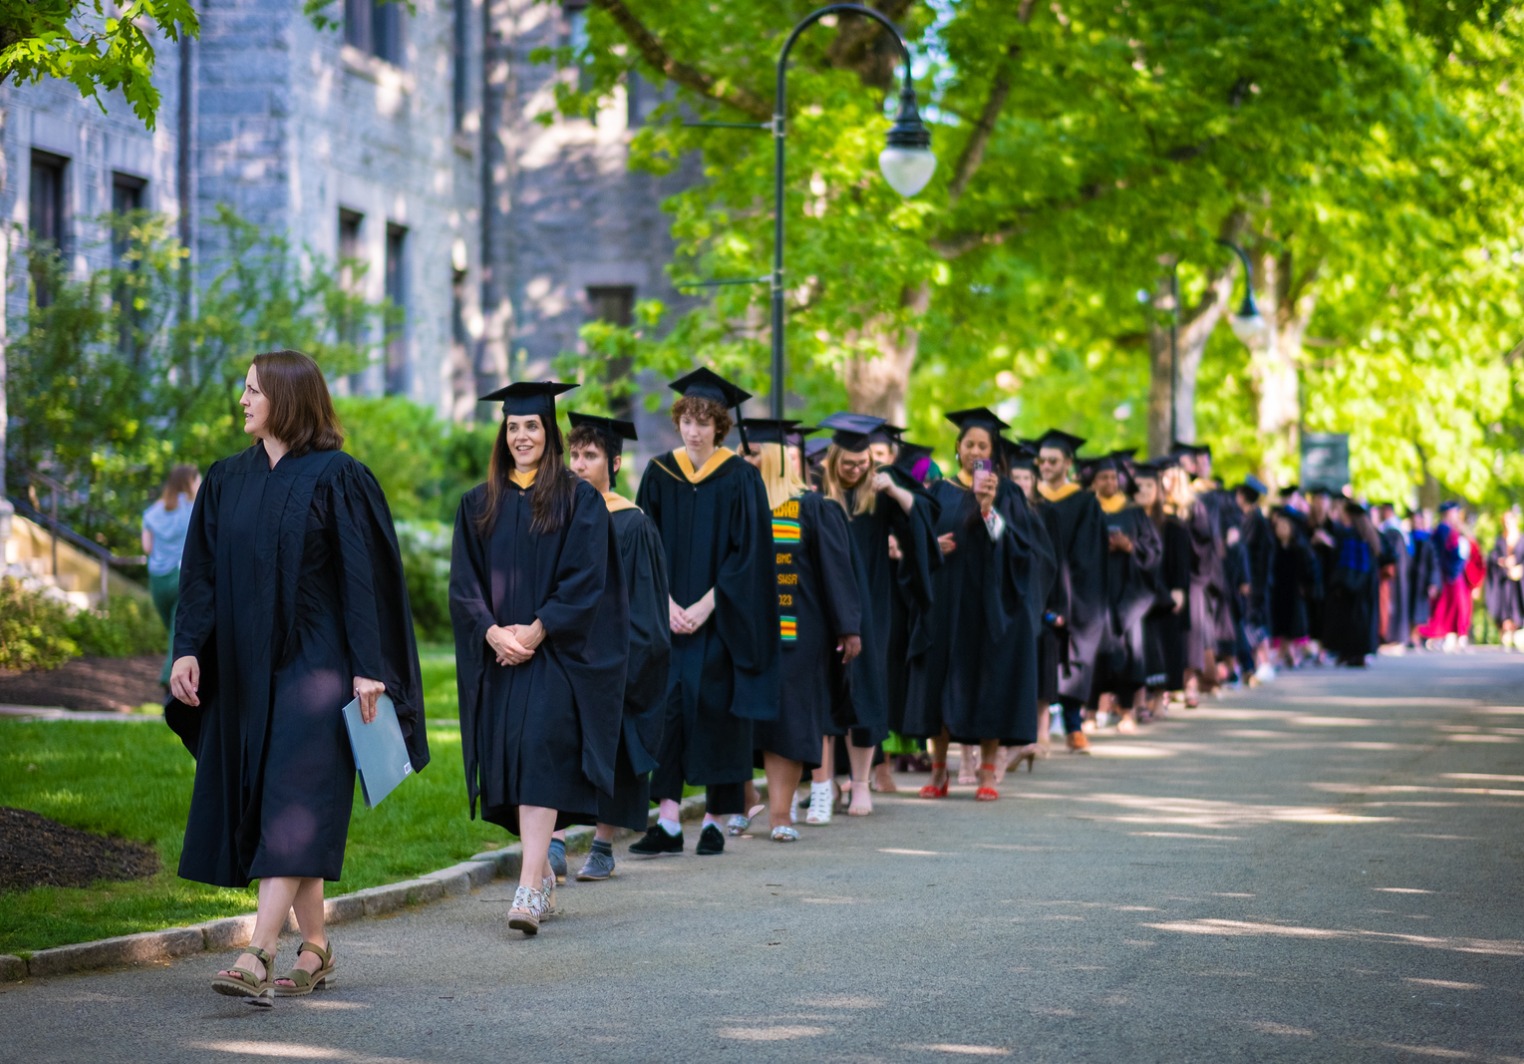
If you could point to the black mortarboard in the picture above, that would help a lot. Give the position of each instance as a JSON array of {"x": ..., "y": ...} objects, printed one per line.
[
  {"x": 527, "y": 398},
  {"x": 705, "y": 383},
  {"x": 814, "y": 450},
  {"x": 1098, "y": 463},
  {"x": 770, "y": 430},
  {"x": 1019, "y": 455},
  {"x": 1061, "y": 440},
  {"x": 1289, "y": 490},
  {"x": 909, "y": 456},
  {"x": 1163, "y": 462},
  {"x": 853, "y": 432},
  {"x": 887, "y": 433},
  {"x": 1146, "y": 471},
  {"x": 1254, "y": 484},
  {"x": 612, "y": 431},
  {"x": 1318, "y": 489},
  {"x": 796, "y": 435},
  {"x": 1199, "y": 450},
  {"x": 978, "y": 416}
]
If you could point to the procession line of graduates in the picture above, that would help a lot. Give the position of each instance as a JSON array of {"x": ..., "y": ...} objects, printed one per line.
[{"x": 789, "y": 606}]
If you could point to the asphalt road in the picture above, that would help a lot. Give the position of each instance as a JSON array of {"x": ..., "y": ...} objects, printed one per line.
[{"x": 1328, "y": 869}]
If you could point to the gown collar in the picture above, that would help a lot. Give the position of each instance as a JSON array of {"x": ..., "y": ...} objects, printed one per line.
[
  {"x": 1114, "y": 505},
  {"x": 1057, "y": 494},
  {"x": 522, "y": 480},
  {"x": 616, "y": 502},
  {"x": 720, "y": 456}
]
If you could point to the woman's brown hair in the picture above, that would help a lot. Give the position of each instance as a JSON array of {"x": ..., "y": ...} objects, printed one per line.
[
  {"x": 182, "y": 481},
  {"x": 702, "y": 409},
  {"x": 554, "y": 484},
  {"x": 301, "y": 410}
]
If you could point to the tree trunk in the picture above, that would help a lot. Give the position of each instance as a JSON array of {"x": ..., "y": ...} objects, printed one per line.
[
  {"x": 879, "y": 384},
  {"x": 1196, "y": 325},
  {"x": 1274, "y": 366}
]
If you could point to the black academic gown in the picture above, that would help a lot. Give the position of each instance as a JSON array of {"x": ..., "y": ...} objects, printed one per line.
[
  {"x": 1257, "y": 539},
  {"x": 1423, "y": 573},
  {"x": 290, "y": 587},
  {"x": 978, "y": 676},
  {"x": 716, "y": 530},
  {"x": 1077, "y": 531},
  {"x": 818, "y": 601},
  {"x": 890, "y": 589},
  {"x": 1503, "y": 594},
  {"x": 543, "y": 733},
  {"x": 1394, "y": 586},
  {"x": 1226, "y": 609},
  {"x": 1297, "y": 581},
  {"x": 1131, "y": 592},
  {"x": 1350, "y": 597},
  {"x": 1164, "y": 627},
  {"x": 645, "y": 678},
  {"x": 1208, "y": 601}
]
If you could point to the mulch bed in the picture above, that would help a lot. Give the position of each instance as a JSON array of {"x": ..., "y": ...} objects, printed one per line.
[
  {"x": 38, "y": 852},
  {"x": 106, "y": 685}
]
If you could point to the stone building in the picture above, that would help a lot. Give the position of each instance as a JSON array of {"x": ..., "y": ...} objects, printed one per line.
[{"x": 410, "y": 141}]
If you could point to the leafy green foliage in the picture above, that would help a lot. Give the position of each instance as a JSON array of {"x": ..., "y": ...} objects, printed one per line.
[
  {"x": 425, "y": 549},
  {"x": 93, "y": 44},
  {"x": 109, "y": 385},
  {"x": 1362, "y": 150},
  {"x": 32, "y": 629},
  {"x": 126, "y": 627}
]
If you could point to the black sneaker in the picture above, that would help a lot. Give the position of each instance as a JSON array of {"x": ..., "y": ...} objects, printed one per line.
[
  {"x": 711, "y": 841},
  {"x": 657, "y": 842}
]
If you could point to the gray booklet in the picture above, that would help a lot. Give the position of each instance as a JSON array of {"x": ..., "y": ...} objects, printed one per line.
[{"x": 381, "y": 755}]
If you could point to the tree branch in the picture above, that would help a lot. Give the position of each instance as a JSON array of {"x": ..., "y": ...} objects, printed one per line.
[
  {"x": 654, "y": 52},
  {"x": 972, "y": 155}
]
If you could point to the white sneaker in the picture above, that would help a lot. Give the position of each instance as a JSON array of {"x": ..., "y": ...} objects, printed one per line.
[
  {"x": 1056, "y": 721},
  {"x": 820, "y": 804},
  {"x": 1265, "y": 673}
]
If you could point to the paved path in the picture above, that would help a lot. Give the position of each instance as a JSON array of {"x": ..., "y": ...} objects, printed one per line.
[{"x": 1326, "y": 870}]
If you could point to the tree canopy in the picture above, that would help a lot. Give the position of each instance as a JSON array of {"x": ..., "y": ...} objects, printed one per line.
[{"x": 1359, "y": 150}]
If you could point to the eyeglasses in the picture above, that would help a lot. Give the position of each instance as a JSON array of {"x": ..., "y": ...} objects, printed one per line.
[{"x": 1049, "y": 461}]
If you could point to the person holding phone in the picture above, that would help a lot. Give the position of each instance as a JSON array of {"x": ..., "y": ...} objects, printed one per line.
[{"x": 976, "y": 681}]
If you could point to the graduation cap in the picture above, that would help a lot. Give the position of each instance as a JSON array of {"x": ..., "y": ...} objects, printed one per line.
[
  {"x": 1319, "y": 489},
  {"x": 770, "y": 430},
  {"x": 893, "y": 435},
  {"x": 611, "y": 431},
  {"x": 1254, "y": 484},
  {"x": 529, "y": 398},
  {"x": 1165, "y": 462},
  {"x": 796, "y": 435},
  {"x": 1448, "y": 505},
  {"x": 1290, "y": 490},
  {"x": 1060, "y": 440},
  {"x": 1198, "y": 450},
  {"x": 1019, "y": 454},
  {"x": 1146, "y": 471},
  {"x": 854, "y": 432},
  {"x": 814, "y": 450},
  {"x": 977, "y": 417}
]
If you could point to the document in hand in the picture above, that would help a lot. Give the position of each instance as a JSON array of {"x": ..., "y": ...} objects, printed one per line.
[{"x": 380, "y": 752}]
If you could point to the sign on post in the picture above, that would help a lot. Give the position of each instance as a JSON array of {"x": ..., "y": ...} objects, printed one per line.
[{"x": 1325, "y": 461}]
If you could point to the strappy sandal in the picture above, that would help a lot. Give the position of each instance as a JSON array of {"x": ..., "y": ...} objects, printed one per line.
[
  {"x": 242, "y": 983},
  {"x": 305, "y": 982},
  {"x": 785, "y": 833}
]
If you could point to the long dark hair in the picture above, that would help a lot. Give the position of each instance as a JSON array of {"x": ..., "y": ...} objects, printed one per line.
[
  {"x": 1363, "y": 526},
  {"x": 553, "y": 482},
  {"x": 997, "y": 452}
]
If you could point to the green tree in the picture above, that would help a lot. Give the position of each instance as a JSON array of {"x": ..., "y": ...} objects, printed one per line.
[{"x": 1359, "y": 149}]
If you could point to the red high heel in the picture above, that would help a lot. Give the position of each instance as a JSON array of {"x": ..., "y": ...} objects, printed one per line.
[
  {"x": 931, "y": 790},
  {"x": 986, "y": 794}
]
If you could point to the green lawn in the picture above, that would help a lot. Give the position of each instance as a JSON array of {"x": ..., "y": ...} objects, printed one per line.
[{"x": 133, "y": 780}]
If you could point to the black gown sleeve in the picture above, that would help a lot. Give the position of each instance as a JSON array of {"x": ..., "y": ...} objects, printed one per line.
[
  {"x": 831, "y": 548},
  {"x": 378, "y": 619},
  {"x": 745, "y": 589},
  {"x": 196, "y": 614},
  {"x": 916, "y": 533},
  {"x": 470, "y": 616},
  {"x": 645, "y": 685}
]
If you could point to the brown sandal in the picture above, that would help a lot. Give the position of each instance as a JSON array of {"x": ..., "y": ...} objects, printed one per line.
[
  {"x": 240, "y": 982},
  {"x": 303, "y": 981}
]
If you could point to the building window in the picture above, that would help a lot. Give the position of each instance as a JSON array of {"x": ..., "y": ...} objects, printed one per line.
[
  {"x": 375, "y": 27},
  {"x": 47, "y": 216},
  {"x": 351, "y": 270},
  {"x": 615, "y": 304},
  {"x": 128, "y": 195},
  {"x": 575, "y": 13},
  {"x": 397, "y": 376}
]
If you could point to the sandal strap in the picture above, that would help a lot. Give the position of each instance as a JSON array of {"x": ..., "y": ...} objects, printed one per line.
[
  {"x": 324, "y": 955},
  {"x": 262, "y": 956}
]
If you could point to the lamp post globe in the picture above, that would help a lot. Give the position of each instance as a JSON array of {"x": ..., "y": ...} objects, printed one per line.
[{"x": 906, "y": 161}]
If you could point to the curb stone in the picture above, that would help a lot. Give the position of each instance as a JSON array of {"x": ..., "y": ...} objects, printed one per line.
[{"x": 233, "y": 932}]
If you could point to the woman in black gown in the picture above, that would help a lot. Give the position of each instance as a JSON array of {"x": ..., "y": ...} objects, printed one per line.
[
  {"x": 1353, "y": 588},
  {"x": 977, "y": 681},
  {"x": 292, "y": 602},
  {"x": 1164, "y": 625},
  {"x": 542, "y": 634}
]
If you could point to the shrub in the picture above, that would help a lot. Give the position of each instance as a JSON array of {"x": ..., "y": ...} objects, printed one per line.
[
  {"x": 426, "y": 563},
  {"x": 125, "y": 628},
  {"x": 33, "y": 629}
]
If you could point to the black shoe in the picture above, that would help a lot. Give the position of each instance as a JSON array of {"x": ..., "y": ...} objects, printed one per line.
[
  {"x": 657, "y": 842},
  {"x": 711, "y": 841}
]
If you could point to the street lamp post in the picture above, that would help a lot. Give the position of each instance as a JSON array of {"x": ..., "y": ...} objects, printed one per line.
[
  {"x": 1248, "y": 325},
  {"x": 906, "y": 163}
]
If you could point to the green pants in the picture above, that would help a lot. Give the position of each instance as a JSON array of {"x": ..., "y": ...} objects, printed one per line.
[{"x": 165, "y": 591}]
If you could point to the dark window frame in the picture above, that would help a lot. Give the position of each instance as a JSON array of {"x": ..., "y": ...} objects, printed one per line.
[
  {"x": 398, "y": 367},
  {"x": 378, "y": 28},
  {"x": 48, "y": 196}
]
